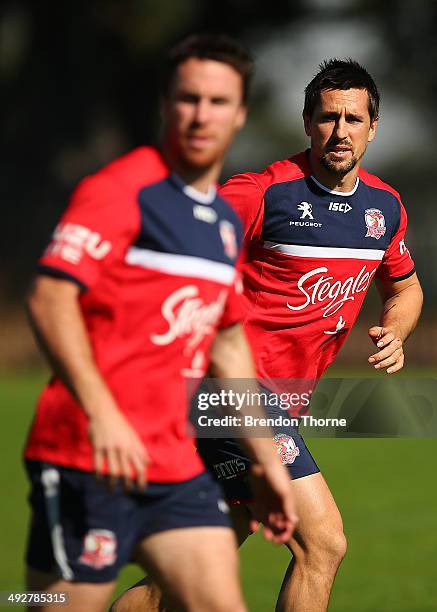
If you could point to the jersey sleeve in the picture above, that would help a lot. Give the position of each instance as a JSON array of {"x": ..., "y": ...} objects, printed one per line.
[
  {"x": 99, "y": 223},
  {"x": 397, "y": 263},
  {"x": 233, "y": 312},
  {"x": 246, "y": 197}
]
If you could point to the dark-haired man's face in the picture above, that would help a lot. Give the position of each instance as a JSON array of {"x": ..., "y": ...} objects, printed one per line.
[
  {"x": 203, "y": 111},
  {"x": 340, "y": 129}
]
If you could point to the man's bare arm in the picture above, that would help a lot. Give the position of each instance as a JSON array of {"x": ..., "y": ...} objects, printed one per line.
[
  {"x": 59, "y": 327},
  {"x": 274, "y": 503},
  {"x": 401, "y": 311}
]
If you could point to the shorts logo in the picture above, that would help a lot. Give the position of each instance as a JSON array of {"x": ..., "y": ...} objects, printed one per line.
[
  {"x": 99, "y": 548},
  {"x": 375, "y": 223},
  {"x": 286, "y": 448},
  {"x": 222, "y": 506}
]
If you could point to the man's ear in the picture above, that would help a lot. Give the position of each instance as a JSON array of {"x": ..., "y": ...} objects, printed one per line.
[
  {"x": 372, "y": 130},
  {"x": 241, "y": 117}
]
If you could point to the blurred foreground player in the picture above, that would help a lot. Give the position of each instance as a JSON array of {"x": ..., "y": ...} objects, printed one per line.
[
  {"x": 318, "y": 229},
  {"x": 134, "y": 295}
]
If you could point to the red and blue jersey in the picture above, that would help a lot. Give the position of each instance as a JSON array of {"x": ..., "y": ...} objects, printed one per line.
[
  {"x": 156, "y": 262},
  {"x": 311, "y": 256}
]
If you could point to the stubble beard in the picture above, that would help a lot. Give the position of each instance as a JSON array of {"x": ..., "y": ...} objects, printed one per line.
[{"x": 338, "y": 168}]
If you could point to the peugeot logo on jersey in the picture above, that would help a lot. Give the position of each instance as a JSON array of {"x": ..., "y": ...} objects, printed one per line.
[
  {"x": 307, "y": 213},
  {"x": 307, "y": 210}
]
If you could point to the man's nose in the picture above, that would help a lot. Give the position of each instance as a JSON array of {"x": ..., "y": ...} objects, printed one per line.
[
  {"x": 340, "y": 129},
  {"x": 202, "y": 111}
]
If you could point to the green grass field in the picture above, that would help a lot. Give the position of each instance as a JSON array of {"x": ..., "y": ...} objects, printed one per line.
[{"x": 386, "y": 489}]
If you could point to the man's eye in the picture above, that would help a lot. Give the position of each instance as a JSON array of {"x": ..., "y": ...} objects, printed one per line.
[{"x": 190, "y": 98}]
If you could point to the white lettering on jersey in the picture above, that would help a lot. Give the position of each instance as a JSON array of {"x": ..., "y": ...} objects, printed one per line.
[
  {"x": 71, "y": 241},
  {"x": 403, "y": 249},
  {"x": 337, "y": 292},
  {"x": 188, "y": 315},
  {"x": 343, "y": 207}
]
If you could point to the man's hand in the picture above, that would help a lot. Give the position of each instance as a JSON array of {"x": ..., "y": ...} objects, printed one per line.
[
  {"x": 273, "y": 501},
  {"x": 118, "y": 448},
  {"x": 391, "y": 353}
]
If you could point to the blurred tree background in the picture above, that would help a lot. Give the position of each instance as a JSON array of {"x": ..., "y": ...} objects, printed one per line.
[{"x": 79, "y": 87}]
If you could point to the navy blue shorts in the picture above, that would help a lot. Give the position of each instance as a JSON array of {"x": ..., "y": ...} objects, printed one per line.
[
  {"x": 86, "y": 533},
  {"x": 230, "y": 466}
]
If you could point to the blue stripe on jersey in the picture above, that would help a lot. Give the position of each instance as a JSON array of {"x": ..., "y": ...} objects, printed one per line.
[
  {"x": 173, "y": 222},
  {"x": 300, "y": 212}
]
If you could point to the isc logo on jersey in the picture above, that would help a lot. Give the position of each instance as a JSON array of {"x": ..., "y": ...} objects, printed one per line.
[{"x": 343, "y": 207}]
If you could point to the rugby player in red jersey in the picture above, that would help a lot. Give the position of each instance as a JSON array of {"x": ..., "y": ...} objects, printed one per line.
[
  {"x": 136, "y": 294},
  {"x": 318, "y": 229}
]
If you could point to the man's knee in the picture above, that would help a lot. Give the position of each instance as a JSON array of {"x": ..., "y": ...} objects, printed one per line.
[
  {"x": 138, "y": 598},
  {"x": 323, "y": 547}
]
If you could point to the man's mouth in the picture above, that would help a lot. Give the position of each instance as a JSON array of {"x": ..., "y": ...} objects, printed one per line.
[
  {"x": 339, "y": 151},
  {"x": 198, "y": 140}
]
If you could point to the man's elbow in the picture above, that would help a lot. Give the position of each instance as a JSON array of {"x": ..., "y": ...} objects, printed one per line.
[{"x": 48, "y": 294}]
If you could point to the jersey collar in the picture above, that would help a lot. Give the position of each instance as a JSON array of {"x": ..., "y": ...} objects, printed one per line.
[
  {"x": 341, "y": 193},
  {"x": 193, "y": 193}
]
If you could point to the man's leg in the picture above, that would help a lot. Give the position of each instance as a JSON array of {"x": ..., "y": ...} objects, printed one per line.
[
  {"x": 196, "y": 569},
  {"x": 81, "y": 596},
  {"x": 318, "y": 548},
  {"x": 145, "y": 595}
]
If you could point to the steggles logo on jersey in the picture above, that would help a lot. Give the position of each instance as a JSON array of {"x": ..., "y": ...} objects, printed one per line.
[
  {"x": 187, "y": 315},
  {"x": 343, "y": 207},
  {"x": 338, "y": 328},
  {"x": 71, "y": 241},
  {"x": 337, "y": 292},
  {"x": 375, "y": 223},
  {"x": 197, "y": 367},
  {"x": 229, "y": 239}
]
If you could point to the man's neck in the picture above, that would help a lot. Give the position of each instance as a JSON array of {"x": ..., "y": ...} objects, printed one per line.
[
  {"x": 334, "y": 182},
  {"x": 198, "y": 178}
]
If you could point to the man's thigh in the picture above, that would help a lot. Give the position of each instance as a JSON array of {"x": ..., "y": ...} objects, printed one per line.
[
  {"x": 80, "y": 596},
  {"x": 319, "y": 517},
  {"x": 318, "y": 513},
  {"x": 196, "y": 568}
]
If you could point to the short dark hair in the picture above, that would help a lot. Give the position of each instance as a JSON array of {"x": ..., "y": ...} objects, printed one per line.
[
  {"x": 218, "y": 47},
  {"x": 341, "y": 74}
]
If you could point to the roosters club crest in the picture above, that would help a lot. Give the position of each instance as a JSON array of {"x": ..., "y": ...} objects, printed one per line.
[
  {"x": 375, "y": 223},
  {"x": 229, "y": 239},
  {"x": 286, "y": 448},
  {"x": 99, "y": 548}
]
